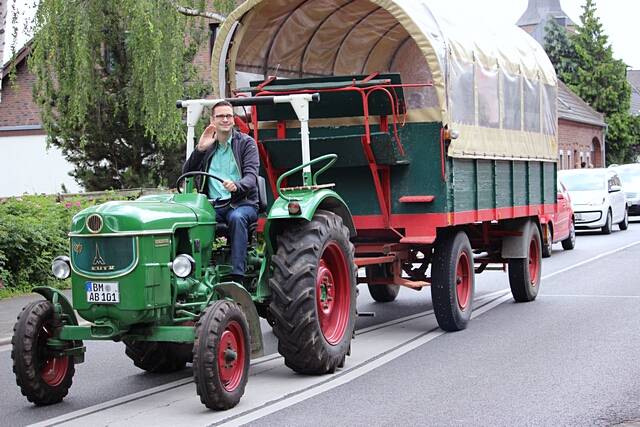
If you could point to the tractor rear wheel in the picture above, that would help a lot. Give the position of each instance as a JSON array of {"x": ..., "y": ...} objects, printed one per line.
[
  {"x": 221, "y": 354},
  {"x": 158, "y": 357},
  {"x": 314, "y": 294},
  {"x": 43, "y": 376},
  {"x": 384, "y": 292},
  {"x": 453, "y": 283},
  {"x": 525, "y": 273}
]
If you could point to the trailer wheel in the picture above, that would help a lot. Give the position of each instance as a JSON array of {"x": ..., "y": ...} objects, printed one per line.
[
  {"x": 570, "y": 242},
  {"x": 453, "y": 283},
  {"x": 43, "y": 377},
  {"x": 381, "y": 293},
  {"x": 524, "y": 273},
  {"x": 547, "y": 246},
  {"x": 221, "y": 355},
  {"x": 314, "y": 294},
  {"x": 158, "y": 357}
]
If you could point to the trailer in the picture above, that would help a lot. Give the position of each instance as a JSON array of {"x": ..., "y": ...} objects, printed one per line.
[{"x": 446, "y": 137}]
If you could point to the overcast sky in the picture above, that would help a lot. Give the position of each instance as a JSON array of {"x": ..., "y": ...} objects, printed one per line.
[{"x": 620, "y": 19}]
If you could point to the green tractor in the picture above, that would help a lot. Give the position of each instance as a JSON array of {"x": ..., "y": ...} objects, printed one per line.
[{"x": 154, "y": 274}]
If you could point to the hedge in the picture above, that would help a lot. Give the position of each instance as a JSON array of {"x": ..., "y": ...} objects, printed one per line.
[{"x": 33, "y": 230}]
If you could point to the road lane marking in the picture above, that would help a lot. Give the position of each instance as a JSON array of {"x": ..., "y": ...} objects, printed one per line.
[
  {"x": 77, "y": 417},
  {"x": 589, "y": 296},
  {"x": 352, "y": 374}
]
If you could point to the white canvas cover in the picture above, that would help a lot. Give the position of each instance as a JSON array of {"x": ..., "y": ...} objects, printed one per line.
[{"x": 477, "y": 72}]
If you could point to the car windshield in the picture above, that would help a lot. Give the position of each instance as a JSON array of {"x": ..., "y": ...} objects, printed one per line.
[
  {"x": 587, "y": 181},
  {"x": 629, "y": 174}
]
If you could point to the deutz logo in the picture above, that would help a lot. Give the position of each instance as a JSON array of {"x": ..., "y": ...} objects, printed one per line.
[{"x": 99, "y": 264}]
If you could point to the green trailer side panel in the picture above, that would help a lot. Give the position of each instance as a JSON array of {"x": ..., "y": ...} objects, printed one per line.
[
  {"x": 550, "y": 182},
  {"x": 535, "y": 183},
  {"x": 504, "y": 193},
  {"x": 463, "y": 185},
  {"x": 417, "y": 173},
  {"x": 479, "y": 184},
  {"x": 520, "y": 193},
  {"x": 423, "y": 175},
  {"x": 471, "y": 184},
  {"x": 486, "y": 194}
]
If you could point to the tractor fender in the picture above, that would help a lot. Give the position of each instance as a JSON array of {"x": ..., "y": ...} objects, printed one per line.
[
  {"x": 57, "y": 298},
  {"x": 309, "y": 203},
  {"x": 239, "y": 295},
  {"x": 518, "y": 246}
]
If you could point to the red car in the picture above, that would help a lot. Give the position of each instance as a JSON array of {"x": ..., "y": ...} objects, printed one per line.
[{"x": 559, "y": 227}]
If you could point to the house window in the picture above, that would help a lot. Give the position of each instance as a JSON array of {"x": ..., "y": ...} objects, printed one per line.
[{"x": 561, "y": 163}]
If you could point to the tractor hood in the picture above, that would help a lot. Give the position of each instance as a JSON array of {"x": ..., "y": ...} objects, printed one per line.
[{"x": 148, "y": 214}]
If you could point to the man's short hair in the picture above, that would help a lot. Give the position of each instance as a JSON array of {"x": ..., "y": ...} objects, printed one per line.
[{"x": 222, "y": 103}]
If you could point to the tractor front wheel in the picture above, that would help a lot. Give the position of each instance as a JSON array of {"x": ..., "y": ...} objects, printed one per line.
[
  {"x": 43, "y": 375},
  {"x": 314, "y": 294},
  {"x": 221, "y": 353}
]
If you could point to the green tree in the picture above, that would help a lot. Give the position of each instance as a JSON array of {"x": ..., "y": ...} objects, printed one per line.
[
  {"x": 108, "y": 74},
  {"x": 560, "y": 50},
  {"x": 601, "y": 81}
]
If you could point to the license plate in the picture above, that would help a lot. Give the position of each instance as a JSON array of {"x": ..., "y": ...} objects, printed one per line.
[{"x": 102, "y": 292}]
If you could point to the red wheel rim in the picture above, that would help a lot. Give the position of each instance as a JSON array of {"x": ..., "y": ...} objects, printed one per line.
[
  {"x": 231, "y": 356},
  {"x": 54, "y": 369},
  {"x": 534, "y": 262},
  {"x": 463, "y": 281},
  {"x": 333, "y": 293}
]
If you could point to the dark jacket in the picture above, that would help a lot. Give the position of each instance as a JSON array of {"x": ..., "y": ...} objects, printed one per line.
[{"x": 245, "y": 151}]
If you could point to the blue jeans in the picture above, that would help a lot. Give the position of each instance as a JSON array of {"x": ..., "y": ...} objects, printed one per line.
[{"x": 238, "y": 220}]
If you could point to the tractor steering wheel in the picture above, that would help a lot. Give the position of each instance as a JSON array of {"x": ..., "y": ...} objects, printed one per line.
[{"x": 200, "y": 173}]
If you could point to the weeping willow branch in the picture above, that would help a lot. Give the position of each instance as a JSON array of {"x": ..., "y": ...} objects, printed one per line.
[{"x": 194, "y": 12}]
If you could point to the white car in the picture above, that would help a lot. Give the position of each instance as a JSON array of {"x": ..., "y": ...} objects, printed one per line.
[
  {"x": 630, "y": 177},
  {"x": 597, "y": 198}
]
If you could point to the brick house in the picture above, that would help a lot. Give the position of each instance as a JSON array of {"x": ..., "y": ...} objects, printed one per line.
[
  {"x": 581, "y": 129},
  {"x": 581, "y": 132},
  {"x": 27, "y": 165},
  {"x": 22, "y": 137}
]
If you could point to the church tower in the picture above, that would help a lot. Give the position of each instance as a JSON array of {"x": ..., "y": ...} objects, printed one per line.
[{"x": 539, "y": 13}]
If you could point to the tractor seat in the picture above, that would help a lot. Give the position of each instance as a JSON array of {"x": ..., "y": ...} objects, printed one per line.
[{"x": 222, "y": 230}]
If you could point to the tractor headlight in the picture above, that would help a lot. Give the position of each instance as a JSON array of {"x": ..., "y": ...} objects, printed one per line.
[
  {"x": 60, "y": 267},
  {"x": 183, "y": 265}
]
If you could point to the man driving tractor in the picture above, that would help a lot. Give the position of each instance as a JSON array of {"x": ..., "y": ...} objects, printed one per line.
[{"x": 224, "y": 152}]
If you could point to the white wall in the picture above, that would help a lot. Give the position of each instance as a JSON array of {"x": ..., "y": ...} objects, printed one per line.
[{"x": 26, "y": 166}]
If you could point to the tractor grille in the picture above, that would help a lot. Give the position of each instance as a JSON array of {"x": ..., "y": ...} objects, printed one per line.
[
  {"x": 94, "y": 223},
  {"x": 104, "y": 256}
]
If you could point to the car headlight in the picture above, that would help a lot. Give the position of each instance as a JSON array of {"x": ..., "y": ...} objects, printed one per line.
[
  {"x": 61, "y": 267},
  {"x": 183, "y": 265}
]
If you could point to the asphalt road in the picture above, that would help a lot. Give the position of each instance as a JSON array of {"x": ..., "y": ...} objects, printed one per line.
[{"x": 569, "y": 358}]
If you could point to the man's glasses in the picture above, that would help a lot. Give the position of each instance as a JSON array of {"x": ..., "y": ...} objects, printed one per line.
[{"x": 223, "y": 116}]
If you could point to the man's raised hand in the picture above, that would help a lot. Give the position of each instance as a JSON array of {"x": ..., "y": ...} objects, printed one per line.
[{"x": 207, "y": 138}]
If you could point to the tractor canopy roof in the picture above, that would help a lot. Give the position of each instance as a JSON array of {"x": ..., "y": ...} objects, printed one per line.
[{"x": 493, "y": 83}]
